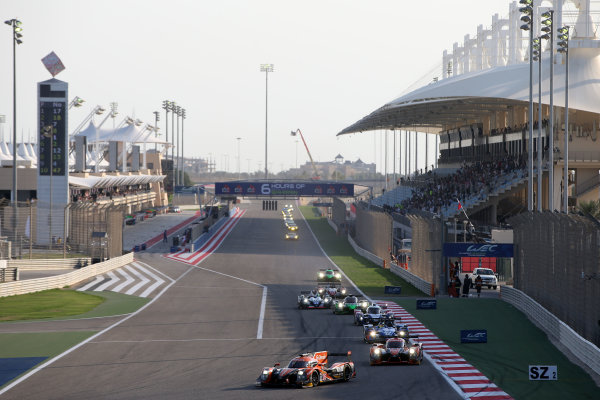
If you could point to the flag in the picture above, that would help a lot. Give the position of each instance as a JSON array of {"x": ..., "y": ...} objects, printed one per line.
[{"x": 459, "y": 205}]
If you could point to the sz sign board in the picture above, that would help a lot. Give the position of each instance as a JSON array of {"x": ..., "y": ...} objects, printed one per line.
[
  {"x": 500, "y": 250},
  {"x": 426, "y": 304},
  {"x": 292, "y": 189},
  {"x": 473, "y": 336},
  {"x": 543, "y": 373}
]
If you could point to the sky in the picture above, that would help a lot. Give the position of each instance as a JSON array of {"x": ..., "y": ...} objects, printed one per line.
[{"x": 335, "y": 61}]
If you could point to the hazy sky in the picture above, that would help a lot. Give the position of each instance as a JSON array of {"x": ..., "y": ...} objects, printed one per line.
[{"x": 335, "y": 62}]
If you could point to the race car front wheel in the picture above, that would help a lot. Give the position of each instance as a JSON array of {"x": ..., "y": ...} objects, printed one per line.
[
  {"x": 346, "y": 374},
  {"x": 314, "y": 379}
]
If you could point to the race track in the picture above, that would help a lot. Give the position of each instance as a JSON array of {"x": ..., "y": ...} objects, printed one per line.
[{"x": 199, "y": 338}]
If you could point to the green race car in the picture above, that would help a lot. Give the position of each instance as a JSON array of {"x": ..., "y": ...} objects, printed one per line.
[
  {"x": 329, "y": 275},
  {"x": 349, "y": 305}
]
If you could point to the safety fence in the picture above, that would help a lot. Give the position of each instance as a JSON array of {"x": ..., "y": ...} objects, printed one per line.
[
  {"x": 585, "y": 351},
  {"x": 414, "y": 280},
  {"x": 50, "y": 264},
  {"x": 62, "y": 280}
]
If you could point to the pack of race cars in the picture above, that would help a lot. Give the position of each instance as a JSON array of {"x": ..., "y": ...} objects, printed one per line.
[{"x": 390, "y": 339}]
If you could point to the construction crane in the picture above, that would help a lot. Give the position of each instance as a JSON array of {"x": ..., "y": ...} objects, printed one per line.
[{"x": 294, "y": 133}]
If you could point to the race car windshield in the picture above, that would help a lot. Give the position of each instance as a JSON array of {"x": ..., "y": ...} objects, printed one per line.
[
  {"x": 396, "y": 344},
  {"x": 297, "y": 364},
  {"x": 350, "y": 299},
  {"x": 373, "y": 310}
]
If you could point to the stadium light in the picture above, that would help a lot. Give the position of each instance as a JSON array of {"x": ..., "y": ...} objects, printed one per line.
[
  {"x": 527, "y": 10},
  {"x": 266, "y": 68},
  {"x": 564, "y": 48},
  {"x": 548, "y": 29},
  {"x": 76, "y": 102},
  {"x": 537, "y": 56}
]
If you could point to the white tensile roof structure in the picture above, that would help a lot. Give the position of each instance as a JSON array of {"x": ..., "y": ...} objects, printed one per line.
[
  {"x": 474, "y": 92},
  {"x": 110, "y": 181}
]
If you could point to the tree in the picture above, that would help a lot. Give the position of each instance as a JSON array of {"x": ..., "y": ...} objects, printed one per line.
[{"x": 590, "y": 207}]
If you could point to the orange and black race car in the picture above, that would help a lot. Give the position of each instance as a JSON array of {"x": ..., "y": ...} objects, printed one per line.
[{"x": 308, "y": 369}]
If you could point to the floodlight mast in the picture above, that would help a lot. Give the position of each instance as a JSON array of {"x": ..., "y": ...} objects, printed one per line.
[{"x": 293, "y": 133}]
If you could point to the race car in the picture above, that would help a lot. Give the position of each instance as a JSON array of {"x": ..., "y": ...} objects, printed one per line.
[
  {"x": 372, "y": 315},
  {"x": 329, "y": 275},
  {"x": 312, "y": 299},
  {"x": 385, "y": 330},
  {"x": 398, "y": 351},
  {"x": 349, "y": 305},
  {"x": 291, "y": 236},
  {"x": 308, "y": 369},
  {"x": 333, "y": 290}
]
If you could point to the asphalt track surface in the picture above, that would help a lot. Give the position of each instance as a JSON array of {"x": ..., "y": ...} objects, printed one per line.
[{"x": 198, "y": 340}]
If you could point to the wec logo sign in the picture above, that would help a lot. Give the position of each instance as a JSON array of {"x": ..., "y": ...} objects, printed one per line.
[
  {"x": 486, "y": 248},
  {"x": 473, "y": 336}
]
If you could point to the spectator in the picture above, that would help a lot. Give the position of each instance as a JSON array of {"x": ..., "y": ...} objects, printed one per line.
[
  {"x": 478, "y": 284},
  {"x": 165, "y": 236},
  {"x": 466, "y": 286}
]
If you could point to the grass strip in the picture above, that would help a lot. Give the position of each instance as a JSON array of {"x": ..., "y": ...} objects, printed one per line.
[
  {"x": 54, "y": 303},
  {"x": 42, "y": 344},
  {"x": 371, "y": 278}
]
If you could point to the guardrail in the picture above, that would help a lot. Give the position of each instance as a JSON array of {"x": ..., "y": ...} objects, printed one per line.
[
  {"x": 49, "y": 264},
  {"x": 9, "y": 274},
  {"x": 411, "y": 278},
  {"x": 585, "y": 351},
  {"x": 60, "y": 281},
  {"x": 333, "y": 225}
]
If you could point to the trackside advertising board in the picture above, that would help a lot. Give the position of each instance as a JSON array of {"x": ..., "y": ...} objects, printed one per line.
[
  {"x": 500, "y": 250},
  {"x": 426, "y": 304},
  {"x": 473, "y": 336},
  {"x": 260, "y": 189}
]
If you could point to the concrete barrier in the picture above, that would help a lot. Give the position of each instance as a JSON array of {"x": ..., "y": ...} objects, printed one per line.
[
  {"x": 49, "y": 264},
  {"x": 67, "y": 279},
  {"x": 585, "y": 351}
]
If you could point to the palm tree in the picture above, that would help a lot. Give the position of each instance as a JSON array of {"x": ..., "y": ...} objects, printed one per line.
[{"x": 590, "y": 207}]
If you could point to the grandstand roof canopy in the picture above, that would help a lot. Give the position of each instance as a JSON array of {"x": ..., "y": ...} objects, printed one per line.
[
  {"x": 469, "y": 98},
  {"x": 111, "y": 181}
]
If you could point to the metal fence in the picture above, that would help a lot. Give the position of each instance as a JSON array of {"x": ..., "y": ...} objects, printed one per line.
[
  {"x": 374, "y": 232},
  {"x": 81, "y": 229},
  {"x": 557, "y": 263}
]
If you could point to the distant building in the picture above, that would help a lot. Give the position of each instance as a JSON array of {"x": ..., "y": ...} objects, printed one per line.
[{"x": 336, "y": 169}]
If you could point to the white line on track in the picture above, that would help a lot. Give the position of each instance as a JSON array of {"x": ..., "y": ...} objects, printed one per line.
[
  {"x": 127, "y": 282},
  {"x": 143, "y": 280},
  {"x": 156, "y": 284},
  {"x": 227, "y": 339},
  {"x": 98, "y": 279}
]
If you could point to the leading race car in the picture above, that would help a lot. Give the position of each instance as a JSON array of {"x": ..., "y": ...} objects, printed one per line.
[
  {"x": 329, "y": 275},
  {"x": 334, "y": 290},
  {"x": 349, "y": 305},
  {"x": 308, "y": 369},
  {"x": 312, "y": 299},
  {"x": 388, "y": 329},
  {"x": 398, "y": 351},
  {"x": 372, "y": 315}
]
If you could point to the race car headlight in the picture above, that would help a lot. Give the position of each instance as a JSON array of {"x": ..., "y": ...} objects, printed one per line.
[
  {"x": 300, "y": 373},
  {"x": 412, "y": 351},
  {"x": 402, "y": 333},
  {"x": 338, "y": 275},
  {"x": 373, "y": 334},
  {"x": 306, "y": 300},
  {"x": 321, "y": 274},
  {"x": 326, "y": 299},
  {"x": 339, "y": 305},
  {"x": 265, "y": 372},
  {"x": 377, "y": 351},
  {"x": 343, "y": 291}
]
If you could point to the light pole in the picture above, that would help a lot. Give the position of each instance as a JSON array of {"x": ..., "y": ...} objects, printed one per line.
[
  {"x": 167, "y": 107},
  {"x": 266, "y": 68},
  {"x": 16, "y": 28},
  {"x": 564, "y": 48},
  {"x": 156, "y": 119},
  {"x": 527, "y": 10},
  {"x": 548, "y": 29},
  {"x": 178, "y": 147},
  {"x": 182, "y": 159},
  {"x": 238, "y": 156},
  {"x": 537, "y": 56}
]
